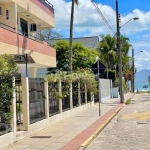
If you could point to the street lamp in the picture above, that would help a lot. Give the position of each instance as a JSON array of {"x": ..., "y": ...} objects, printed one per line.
[
  {"x": 135, "y": 18},
  {"x": 133, "y": 70},
  {"x": 119, "y": 51}
]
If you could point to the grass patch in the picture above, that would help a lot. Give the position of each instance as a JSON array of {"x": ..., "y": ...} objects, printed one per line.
[
  {"x": 141, "y": 92},
  {"x": 128, "y": 102}
]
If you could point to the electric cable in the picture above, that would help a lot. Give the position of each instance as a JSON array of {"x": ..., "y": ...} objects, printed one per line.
[{"x": 103, "y": 17}]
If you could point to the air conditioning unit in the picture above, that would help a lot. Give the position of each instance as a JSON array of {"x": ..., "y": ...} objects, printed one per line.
[
  {"x": 33, "y": 27},
  {"x": 0, "y": 11}
]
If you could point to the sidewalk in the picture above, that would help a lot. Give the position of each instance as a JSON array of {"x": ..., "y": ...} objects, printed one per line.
[{"x": 75, "y": 132}]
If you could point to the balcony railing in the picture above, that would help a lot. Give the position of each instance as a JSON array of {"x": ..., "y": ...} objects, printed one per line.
[
  {"x": 2, "y": 25},
  {"x": 46, "y": 1},
  {"x": 47, "y": 4},
  {"x": 29, "y": 36},
  {"x": 7, "y": 27}
]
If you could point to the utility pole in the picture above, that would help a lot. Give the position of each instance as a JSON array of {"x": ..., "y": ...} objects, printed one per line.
[
  {"x": 119, "y": 55},
  {"x": 99, "y": 88},
  {"x": 133, "y": 69}
]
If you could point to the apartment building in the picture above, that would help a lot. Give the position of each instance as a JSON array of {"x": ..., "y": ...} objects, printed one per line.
[{"x": 19, "y": 22}]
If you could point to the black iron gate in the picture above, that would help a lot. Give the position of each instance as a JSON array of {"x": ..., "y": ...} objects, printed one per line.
[
  {"x": 88, "y": 97},
  {"x": 96, "y": 96},
  {"x": 53, "y": 99},
  {"x": 82, "y": 93},
  {"x": 36, "y": 99},
  {"x": 19, "y": 112},
  {"x": 66, "y": 96},
  {"x": 75, "y": 94}
]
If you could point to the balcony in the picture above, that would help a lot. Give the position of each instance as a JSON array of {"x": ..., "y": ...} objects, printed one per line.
[
  {"x": 16, "y": 42},
  {"x": 47, "y": 4}
]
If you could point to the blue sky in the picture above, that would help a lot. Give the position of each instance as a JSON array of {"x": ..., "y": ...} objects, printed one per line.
[{"x": 87, "y": 22}]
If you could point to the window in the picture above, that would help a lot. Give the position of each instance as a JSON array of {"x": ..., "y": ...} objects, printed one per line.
[{"x": 0, "y": 11}]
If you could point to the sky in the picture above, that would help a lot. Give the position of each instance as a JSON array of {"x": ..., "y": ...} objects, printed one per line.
[{"x": 87, "y": 22}]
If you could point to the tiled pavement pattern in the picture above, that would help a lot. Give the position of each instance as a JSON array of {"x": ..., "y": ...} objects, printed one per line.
[
  {"x": 128, "y": 134},
  {"x": 60, "y": 134}
]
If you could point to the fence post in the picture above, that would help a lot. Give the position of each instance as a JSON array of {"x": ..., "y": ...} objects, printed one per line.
[
  {"x": 79, "y": 94},
  {"x": 85, "y": 93},
  {"x": 71, "y": 99},
  {"x": 13, "y": 109},
  {"x": 46, "y": 100},
  {"x": 60, "y": 93},
  {"x": 25, "y": 103}
]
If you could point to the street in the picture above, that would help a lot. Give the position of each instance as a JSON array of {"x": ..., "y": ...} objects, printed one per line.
[{"x": 129, "y": 129}]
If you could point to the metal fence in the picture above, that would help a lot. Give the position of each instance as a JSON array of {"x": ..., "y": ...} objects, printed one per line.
[
  {"x": 82, "y": 92},
  {"x": 53, "y": 99},
  {"x": 66, "y": 96},
  {"x": 96, "y": 96},
  {"x": 29, "y": 36},
  {"x": 19, "y": 114},
  {"x": 36, "y": 99},
  {"x": 75, "y": 94}
]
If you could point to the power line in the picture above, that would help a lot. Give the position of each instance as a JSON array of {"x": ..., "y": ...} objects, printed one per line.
[
  {"x": 112, "y": 4},
  {"x": 103, "y": 17},
  {"x": 106, "y": 15},
  {"x": 140, "y": 40}
]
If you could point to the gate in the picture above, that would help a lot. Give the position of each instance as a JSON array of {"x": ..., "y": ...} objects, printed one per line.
[
  {"x": 36, "y": 100},
  {"x": 75, "y": 94},
  {"x": 19, "y": 113},
  {"x": 82, "y": 92},
  {"x": 88, "y": 97},
  {"x": 96, "y": 96},
  {"x": 66, "y": 96},
  {"x": 53, "y": 100}
]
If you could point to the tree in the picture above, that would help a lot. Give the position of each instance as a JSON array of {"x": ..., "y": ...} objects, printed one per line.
[
  {"x": 48, "y": 34},
  {"x": 107, "y": 51},
  {"x": 71, "y": 32},
  {"x": 82, "y": 56},
  {"x": 8, "y": 70}
]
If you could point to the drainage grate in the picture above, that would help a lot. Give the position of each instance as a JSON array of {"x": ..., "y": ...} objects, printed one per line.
[
  {"x": 143, "y": 122},
  {"x": 41, "y": 137}
]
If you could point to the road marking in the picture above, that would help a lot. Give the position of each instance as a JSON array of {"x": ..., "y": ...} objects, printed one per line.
[{"x": 137, "y": 116}]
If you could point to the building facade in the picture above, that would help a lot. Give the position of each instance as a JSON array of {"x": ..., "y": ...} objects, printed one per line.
[{"x": 19, "y": 22}]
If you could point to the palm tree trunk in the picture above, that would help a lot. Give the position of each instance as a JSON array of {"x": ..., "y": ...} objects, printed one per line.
[{"x": 71, "y": 35}]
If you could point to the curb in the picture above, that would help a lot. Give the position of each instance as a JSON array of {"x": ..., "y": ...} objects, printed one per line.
[{"x": 95, "y": 134}]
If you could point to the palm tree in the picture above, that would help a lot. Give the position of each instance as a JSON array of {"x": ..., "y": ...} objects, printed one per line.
[
  {"x": 108, "y": 52},
  {"x": 71, "y": 31}
]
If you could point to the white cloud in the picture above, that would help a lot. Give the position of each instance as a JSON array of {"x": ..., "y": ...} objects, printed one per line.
[
  {"x": 87, "y": 18},
  {"x": 87, "y": 22}
]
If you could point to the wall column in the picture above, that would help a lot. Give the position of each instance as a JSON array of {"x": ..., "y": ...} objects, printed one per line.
[
  {"x": 13, "y": 109},
  {"x": 33, "y": 72},
  {"x": 25, "y": 103}
]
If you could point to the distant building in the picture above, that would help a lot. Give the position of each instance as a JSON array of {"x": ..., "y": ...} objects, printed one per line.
[{"x": 89, "y": 42}]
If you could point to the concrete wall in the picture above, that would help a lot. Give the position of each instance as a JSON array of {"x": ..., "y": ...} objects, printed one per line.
[
  {"x": 11, "y": 7},
  {"x": 37, "y": 9},
  {"x": 12, "y": 43},
  {"x": 105, "y": 86}
]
